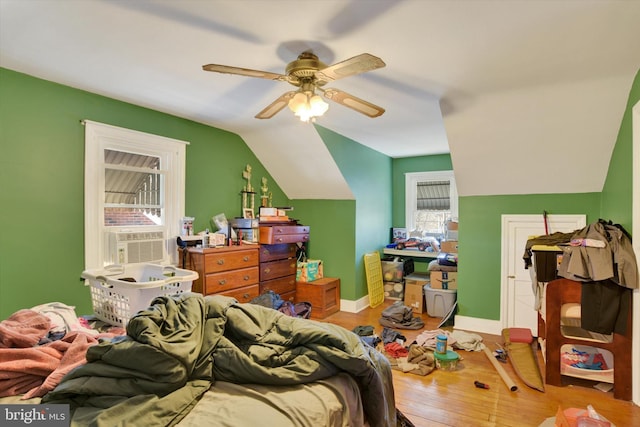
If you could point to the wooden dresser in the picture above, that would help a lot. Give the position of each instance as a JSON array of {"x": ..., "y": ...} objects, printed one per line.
[
  {"x": 278, "y": 247},
  {"x": 278, "y": 270},
  {"x": 227, "y": 270}
]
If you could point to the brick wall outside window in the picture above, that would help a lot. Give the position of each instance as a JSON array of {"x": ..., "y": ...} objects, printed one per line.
[{"x": 115, "y": 217}]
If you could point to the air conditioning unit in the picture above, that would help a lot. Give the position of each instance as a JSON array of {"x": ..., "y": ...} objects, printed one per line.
[{"x": 129, "y": 247}]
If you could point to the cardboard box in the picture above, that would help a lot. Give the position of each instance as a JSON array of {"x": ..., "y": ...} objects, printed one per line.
[
  {"x": 444, "y": 280},
  {"x": 310, "y": 270},
  {"x": 449, "y": 246},
  {"x": 413, "y": 295}
]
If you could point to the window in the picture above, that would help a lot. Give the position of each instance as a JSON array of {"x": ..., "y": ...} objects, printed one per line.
[
  {"x": 132, "y": 189},
  {"x": 134, "y": 183},
  {"x": 431, "y": 200}
]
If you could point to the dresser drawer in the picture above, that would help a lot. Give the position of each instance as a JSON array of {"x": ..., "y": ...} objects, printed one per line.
[
  {"x": 227, "y": 280},
  {"x": 289, "y": 296},
  {"x": 244, "y": 294},
  {"x": 288, "y": 238},
  {"x": 274, "y": 269},
  {"x": 280, "y": 286},
  {"x": 284, "y": 234},
  {"x": 215, "y": 262},
  {"x": 274, "y": 252}
]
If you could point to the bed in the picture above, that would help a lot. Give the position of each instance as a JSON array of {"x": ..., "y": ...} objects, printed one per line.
[{"x": 190, "y": 360}]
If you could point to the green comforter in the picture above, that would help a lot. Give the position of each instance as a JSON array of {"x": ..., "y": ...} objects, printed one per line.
[{"x": 179, "y": 346}]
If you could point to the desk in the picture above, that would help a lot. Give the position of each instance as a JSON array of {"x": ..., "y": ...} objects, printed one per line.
[{"x": 410, "y": 253}]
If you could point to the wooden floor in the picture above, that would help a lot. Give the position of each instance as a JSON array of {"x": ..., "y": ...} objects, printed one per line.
[{"x": 449, "y": 398}]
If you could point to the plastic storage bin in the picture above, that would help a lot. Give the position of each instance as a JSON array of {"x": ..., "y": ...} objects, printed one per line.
[
  {"x": 439, "y": 301},
  {"x": 447, "y": 361},
  {"x": 120, "y": 291},
  {"x": 395, "y": 269}
]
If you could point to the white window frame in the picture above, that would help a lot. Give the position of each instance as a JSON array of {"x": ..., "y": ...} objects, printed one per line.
[
  {"x": 411, "y": 189},
  {"x": 98, "y": 137}
]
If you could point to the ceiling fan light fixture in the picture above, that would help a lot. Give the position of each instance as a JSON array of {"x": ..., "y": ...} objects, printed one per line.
[
  {"x": 307, "y": 107},
  {"x": 298, "y": 102},
  {"x": 317, "y": 105}
]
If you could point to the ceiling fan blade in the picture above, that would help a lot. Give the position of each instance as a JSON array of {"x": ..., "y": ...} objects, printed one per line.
[
  {"x": 226, "y": 69},
  {"x": 276, "y": 106},
  {"x": 355, "y": 103},
  {"x": 356, "y": 65}
]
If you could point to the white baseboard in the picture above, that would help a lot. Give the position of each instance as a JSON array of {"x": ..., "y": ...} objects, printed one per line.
[
  {"x": 350, "y": 306},
  {"x": 474, "y": 324}
]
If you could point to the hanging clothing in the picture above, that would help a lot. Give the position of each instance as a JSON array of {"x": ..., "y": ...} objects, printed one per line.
[
  {"x": 615, "y": 261},
  {"x": 607, "y": 273},
  {"x": 604, "y": 307}
]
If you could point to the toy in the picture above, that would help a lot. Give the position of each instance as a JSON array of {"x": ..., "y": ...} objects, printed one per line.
[
  {"x": 412, "y": 242},
  {"x": 429, "y": 244}
]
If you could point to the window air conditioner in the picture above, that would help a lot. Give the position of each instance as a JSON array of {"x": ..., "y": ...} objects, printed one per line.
[{"x": 127, "y": 247}]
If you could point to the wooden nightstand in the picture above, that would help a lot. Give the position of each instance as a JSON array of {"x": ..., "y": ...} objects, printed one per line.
[{"x": 323, "y": 294}]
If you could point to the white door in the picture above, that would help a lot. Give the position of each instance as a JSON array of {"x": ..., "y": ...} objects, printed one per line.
[{"x": 518, "y": 300}]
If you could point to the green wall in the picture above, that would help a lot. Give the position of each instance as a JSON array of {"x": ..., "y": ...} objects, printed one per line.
[
  {"x": 480, "y": 240},
  {"x": 617, "y": 191},
  {"x": 42, "y": 183},
  {"x": 348, "y": 229},
  {"x": 401, "y": 166},
  {"x": 332, "y": 238}
]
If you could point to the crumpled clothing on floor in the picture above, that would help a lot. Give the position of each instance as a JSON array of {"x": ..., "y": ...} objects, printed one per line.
[
  {"x": 428, "y": 338},
  {"x": 419, "y": 361},
  {"x": 389, "y": 335},
  {"x": 400, "y": 316},
  {"x": 467, "y": 341},
  {"x": 371, "y": 341},
  {"x": 363, "y": 331},
  {"x": 396, "y": 350}
]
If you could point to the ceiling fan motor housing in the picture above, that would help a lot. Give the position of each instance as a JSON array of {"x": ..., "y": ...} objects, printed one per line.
[{"x": 305, "y": 66}]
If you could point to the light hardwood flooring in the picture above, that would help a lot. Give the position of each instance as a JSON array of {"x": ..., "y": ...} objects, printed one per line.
[{"x": 449, "y": 398}]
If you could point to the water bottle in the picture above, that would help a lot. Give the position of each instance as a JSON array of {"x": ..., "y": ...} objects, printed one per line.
[
  {"x": 205, "y": 239},
  {"x": 441, "y": 344}
]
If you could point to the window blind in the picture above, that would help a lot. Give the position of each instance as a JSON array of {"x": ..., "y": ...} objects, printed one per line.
[{"x": 433, "y": 195}]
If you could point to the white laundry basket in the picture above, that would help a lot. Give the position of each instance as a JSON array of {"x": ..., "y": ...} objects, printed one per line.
[
  {"x": 120, "y": 291},
  {"x": 439, "y": 301}
]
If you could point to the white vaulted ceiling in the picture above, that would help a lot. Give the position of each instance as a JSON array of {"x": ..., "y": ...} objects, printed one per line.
[{"x": 507, "y": 87}]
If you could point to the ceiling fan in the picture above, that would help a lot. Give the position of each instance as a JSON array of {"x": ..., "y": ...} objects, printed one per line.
[{"x": 309, "y": 75}]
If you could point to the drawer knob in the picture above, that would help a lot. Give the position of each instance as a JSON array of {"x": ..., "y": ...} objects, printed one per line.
[
  {"x": 222, "y": 282},
  {"x": 267, "y": 270},
  {"x": 246, "y": 277},
  {"x": 220, "y": 261},
  {"x": 245, "y": 296},
  {"x": 246, "y": 258},
  {"x": 279, "y": 239}
]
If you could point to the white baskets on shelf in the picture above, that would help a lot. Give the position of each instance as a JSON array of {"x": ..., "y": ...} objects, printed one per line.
[{"x": 120, "y": 291}]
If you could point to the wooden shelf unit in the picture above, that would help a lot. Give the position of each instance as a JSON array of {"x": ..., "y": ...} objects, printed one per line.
[{"x": 564, "y": 291}]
